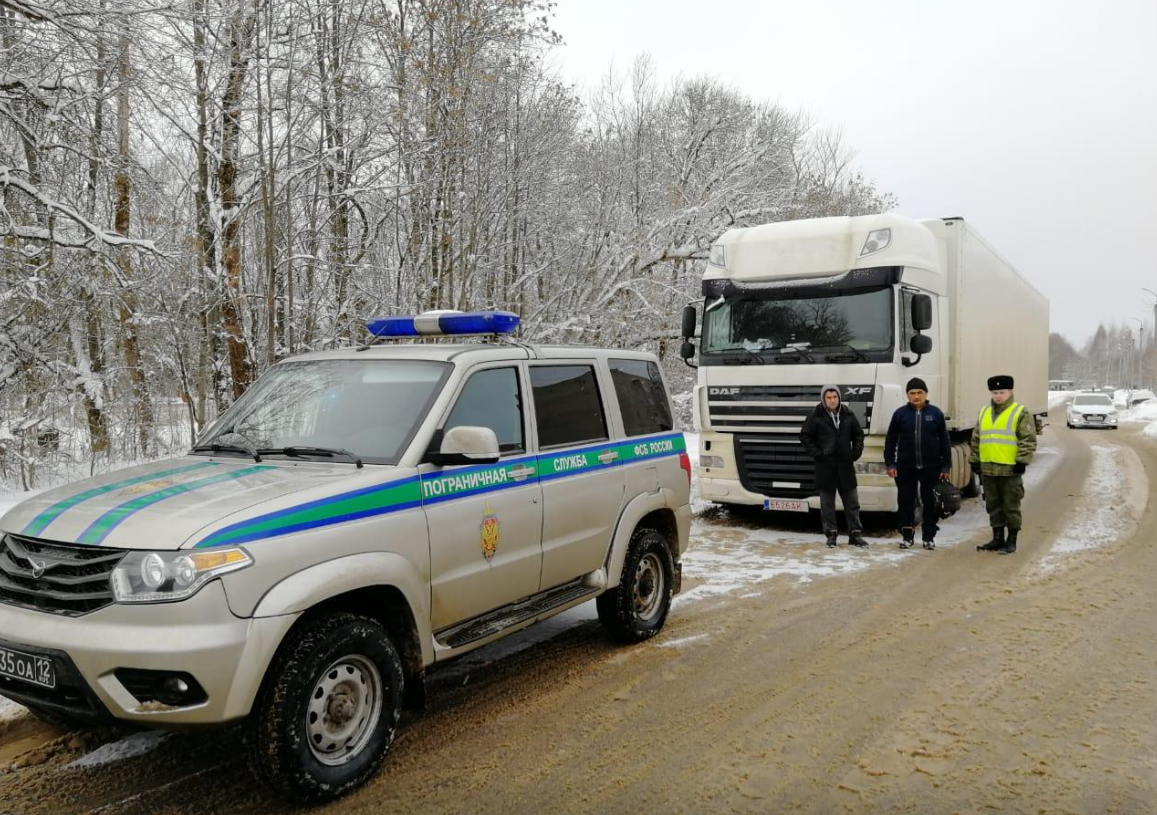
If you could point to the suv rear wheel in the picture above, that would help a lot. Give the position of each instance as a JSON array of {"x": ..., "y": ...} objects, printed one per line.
[
  {"x": 636, "y": 609},
  {"x": 328, "y": 712}
]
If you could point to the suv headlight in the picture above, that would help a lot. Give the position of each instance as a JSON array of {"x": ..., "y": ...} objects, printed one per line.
[
  {"x": 711, "y": 461},
  {"x": 162, "y": 577}
]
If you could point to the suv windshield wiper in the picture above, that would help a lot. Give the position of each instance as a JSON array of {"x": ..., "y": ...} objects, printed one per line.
[
  {"x": 301, "y": 452},
  {"x": 217, "y": 447},
  {"x": 858, "y": 354}
]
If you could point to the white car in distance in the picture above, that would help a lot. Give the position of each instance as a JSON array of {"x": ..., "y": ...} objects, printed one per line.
[{"x": 1092, "y": 410}]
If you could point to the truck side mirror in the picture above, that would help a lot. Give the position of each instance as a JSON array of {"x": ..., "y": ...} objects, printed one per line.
[
  {"x": 690, "y": 316},
  {"x": 921, "y": 344},
  {"x": 464, "y": 445},
  {"x": 687, "y": 350},
  {"x": 921, "y": 313}
]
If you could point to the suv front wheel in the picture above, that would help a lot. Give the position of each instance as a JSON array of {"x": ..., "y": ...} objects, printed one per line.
[
  {"x": 636, "y": 609},
  {"x": 329, "y": 709}
]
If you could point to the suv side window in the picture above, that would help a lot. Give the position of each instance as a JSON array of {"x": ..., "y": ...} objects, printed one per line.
[
  {"x": 492, "y": 398},
  {"x": 567, "y": 407},
  {"x": 642, "y": 398}
]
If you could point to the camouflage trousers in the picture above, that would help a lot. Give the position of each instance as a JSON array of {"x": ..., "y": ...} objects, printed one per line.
[{"x": 1002, "y": 497}]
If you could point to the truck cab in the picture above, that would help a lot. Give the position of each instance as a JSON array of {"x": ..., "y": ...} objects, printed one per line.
[{"x": 863, "y": 303}]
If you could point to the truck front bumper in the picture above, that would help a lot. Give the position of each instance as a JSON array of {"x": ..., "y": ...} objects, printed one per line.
[
  {"x": 877, "y": 493},
  {"x": 226, "y": 655}
]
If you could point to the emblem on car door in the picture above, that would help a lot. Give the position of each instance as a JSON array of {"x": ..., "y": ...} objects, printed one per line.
[{"x": 489, "y": 530}]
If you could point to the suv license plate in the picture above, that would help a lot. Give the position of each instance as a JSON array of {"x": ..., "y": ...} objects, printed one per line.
[
  {"x": 27, "y": 668},
  {"x": 785, "y": 505}
]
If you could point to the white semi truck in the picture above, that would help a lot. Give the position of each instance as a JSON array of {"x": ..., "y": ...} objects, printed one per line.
[{"x": 864, "y": 303}]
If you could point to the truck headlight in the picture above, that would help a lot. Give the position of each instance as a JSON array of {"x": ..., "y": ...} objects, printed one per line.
[
  {"x": 710, "y": 461},
  {"x": 871, "y": 468},
  {"x": 162, "y": 577}
]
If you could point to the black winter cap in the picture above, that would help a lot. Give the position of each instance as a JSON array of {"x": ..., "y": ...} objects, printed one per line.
[
  {"x": 1000, "y": 383},
  {"x": 916, "y": 384}
]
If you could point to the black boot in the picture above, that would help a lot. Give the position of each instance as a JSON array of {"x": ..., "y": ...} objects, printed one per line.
[
  {"x": 996, "y": 543},
  {"x": 832, "y": 539},
  {"x": 929, "y": 543},
  {"x": 857, "y": 539},
  {"x": 908, "y": 537},
  {"x": 1009, "y": 547}
]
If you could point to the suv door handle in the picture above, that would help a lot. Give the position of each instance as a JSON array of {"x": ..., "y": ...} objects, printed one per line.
[
  {"x": 521, "y": 473},
  {"x": 608, "y": 456}
]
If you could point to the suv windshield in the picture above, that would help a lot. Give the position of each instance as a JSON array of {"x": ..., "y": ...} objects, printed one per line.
[
  {"x": 370, "y": 408},
  {"x": 1090, "y": 401},
  {"x": 849, "y": 326}
]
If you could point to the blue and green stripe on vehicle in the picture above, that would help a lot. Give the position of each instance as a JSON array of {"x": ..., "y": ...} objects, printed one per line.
[{"x": 444, "y": 485}]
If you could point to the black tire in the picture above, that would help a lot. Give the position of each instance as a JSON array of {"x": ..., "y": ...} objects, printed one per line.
[
  {"x": 972, "y": 488},
  {"x": 342, "y": 651},
  {"x": 636, "y": 609}
]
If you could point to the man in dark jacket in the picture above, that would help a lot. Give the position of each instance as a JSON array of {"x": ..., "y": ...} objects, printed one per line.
[
  {"x": 917, "y": 453},
  {"x": 832, "y": 436}
]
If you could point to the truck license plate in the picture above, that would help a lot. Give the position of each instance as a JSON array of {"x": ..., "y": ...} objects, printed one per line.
[
  {"x": 27, "y": 668},
  {"x": 785, "y": 505}
]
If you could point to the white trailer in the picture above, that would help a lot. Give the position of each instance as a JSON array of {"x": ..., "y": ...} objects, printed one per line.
[{"x": 864, "y": 303}]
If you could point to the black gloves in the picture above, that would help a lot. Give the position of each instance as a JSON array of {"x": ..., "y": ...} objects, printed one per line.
[{"x": 1019, "y": 468}]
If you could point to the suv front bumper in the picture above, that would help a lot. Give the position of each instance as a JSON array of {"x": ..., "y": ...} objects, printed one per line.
[{"x": 227, "y": 655}]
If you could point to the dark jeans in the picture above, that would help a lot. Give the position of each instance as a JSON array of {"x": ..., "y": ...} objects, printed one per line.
[
  {"x": 907, "y": 479},
  {"x": 851, "y": 499}
]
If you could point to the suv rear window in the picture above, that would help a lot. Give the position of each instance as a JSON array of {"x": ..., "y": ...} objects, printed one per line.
[
  {"x": 567, "y": 405},
  {"x": 642, "y": 398}
]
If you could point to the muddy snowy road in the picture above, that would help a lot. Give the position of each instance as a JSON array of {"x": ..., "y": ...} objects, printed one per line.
[{"x": 789, "y": 678}]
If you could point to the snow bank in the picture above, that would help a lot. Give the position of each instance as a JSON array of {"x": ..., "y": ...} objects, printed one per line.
[
  {"x": 135, "y": 745},
  {"x": 10, "y": 710}
]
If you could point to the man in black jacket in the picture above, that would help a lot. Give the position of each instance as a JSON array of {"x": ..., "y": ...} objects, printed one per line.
[
  {"x": 917, "y": 453},
  {"x": 832, "y": 436}
]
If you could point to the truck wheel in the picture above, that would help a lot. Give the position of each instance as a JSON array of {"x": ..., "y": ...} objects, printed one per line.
[
  {"x": 972, "y": 488},
  {"x": 636, "y": 609},
  {"x": 328, "y": 711}
]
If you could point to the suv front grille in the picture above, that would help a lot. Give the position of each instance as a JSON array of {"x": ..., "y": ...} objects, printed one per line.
[
  {"x": 775, "y": 466},
  {"x": 55, "y": 577}
]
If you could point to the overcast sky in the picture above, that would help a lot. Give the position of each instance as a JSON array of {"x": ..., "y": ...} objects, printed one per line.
[{"x": 1035, "y": 121}]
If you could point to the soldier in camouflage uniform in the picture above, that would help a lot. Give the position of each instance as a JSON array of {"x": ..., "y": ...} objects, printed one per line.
[{"x": 1003, "y": 444}]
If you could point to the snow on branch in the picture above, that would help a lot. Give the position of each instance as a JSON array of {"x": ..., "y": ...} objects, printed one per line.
[{"x": 94, "y": 237}]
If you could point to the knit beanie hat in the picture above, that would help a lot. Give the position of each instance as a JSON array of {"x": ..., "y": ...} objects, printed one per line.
[{"x": 916, "y": 384}]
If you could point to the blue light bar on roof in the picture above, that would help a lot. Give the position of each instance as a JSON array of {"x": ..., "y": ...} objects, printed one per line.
[{"x": 445, "y": 324}]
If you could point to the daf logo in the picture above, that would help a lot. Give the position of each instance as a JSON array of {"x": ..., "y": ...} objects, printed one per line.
[
  {"x": 722, "y": 391},
  {"x": 39, "y": 567},
  {"x": 857, "y": 391}
]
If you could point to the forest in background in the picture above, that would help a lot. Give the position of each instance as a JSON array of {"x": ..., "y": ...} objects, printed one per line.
[{"x": 192, "y": 191}]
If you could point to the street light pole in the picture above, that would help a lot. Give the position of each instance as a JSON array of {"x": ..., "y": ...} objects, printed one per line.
[
  {"x": 1140, "y": 351},
  {"x": 1153, "y": 379}
]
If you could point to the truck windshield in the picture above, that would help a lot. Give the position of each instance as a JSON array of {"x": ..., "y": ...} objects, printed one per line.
[
  {"x": 368, "y": 408},
  {"x": 848, "y": 326}
]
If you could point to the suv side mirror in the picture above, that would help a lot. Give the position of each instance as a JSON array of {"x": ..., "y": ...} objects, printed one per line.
[
  {"x": 464, "y": 445},
  {"x": 921, "y": 313},
  {"x": 921, "y": 344},
  {"x": 690, "y": 316}
]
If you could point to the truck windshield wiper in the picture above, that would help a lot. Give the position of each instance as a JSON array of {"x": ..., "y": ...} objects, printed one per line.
[
  {"x": 751, "y": 356},
  {"x": 217, "y": 447},
  {"x": 799, "y": 351},
  {"x": 857, "y": 354},
  {"x": 302, "y": 452}
]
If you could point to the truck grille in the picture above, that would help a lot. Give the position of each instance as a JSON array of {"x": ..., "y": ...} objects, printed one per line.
[
  {"x": 54, "y": 577},
  {"x": 766, "y": 420},
  {"x": 776, "y": 467}
]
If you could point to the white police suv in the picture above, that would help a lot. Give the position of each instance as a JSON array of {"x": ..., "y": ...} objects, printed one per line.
[{"x": 356, "y": 517}]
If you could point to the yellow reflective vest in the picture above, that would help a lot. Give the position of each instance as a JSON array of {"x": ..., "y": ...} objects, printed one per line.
[{"x": 998, "y": 438}]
